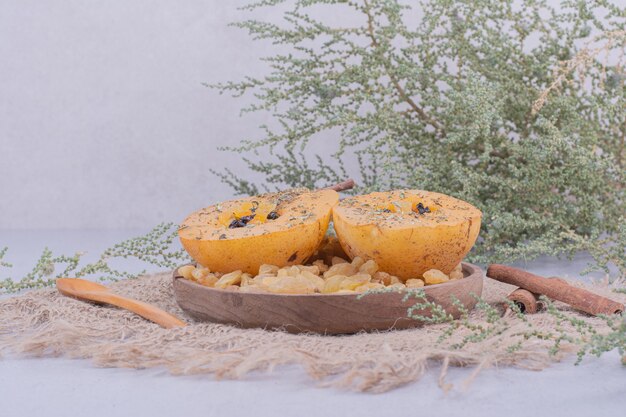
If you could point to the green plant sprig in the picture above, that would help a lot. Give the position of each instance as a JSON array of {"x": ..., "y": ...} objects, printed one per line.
[
  {"x": 490, "y": 323},
  {"x": 155, "y": 248},
  {"x": 458, "y": 99}
]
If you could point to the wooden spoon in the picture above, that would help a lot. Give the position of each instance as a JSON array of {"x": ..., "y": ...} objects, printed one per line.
[{"x": 88, "y": 290}]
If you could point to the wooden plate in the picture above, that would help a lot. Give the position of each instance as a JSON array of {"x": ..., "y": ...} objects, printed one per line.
[{"x": 322, "y": 313}]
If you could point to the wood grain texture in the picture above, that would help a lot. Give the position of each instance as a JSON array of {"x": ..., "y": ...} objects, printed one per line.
[{"x": 325, "y": 314}]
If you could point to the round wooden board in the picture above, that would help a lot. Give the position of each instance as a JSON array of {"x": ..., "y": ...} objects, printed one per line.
[{"x": 322, "y": 313}]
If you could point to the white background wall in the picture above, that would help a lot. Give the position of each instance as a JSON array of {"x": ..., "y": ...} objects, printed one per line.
[{"x": 104, "y": 122}]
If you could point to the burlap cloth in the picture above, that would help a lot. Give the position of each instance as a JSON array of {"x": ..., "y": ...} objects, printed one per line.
[{"x": 45, "y": 323}]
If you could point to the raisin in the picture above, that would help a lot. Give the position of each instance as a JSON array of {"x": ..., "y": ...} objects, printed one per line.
[
  {"x": 421, "y": 209},
  {"x": 272, "y": 215},
  {"x": 241, "y": 222},
  {"x": 246, "y": 219},
  {"x": 236, "y": 223}
]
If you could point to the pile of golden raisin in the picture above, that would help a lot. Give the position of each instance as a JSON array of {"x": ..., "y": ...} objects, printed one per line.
[{"x": 340, "y": 277}]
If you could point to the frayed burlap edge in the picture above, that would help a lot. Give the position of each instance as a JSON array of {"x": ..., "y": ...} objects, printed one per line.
[{"x": 43, "y": 323}]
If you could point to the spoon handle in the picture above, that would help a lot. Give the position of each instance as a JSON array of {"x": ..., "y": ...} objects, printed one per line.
[{"x": 145, "y": 310}]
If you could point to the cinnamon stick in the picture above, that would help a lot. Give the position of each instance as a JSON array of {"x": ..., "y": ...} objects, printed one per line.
[
  {"x": 578, "y": 298},
  {"x": 525, "y": 300},
  {"x": 342, "y": 186},
  {"x": 564, "y": 281},
  {"x": 529, "y": 302}
]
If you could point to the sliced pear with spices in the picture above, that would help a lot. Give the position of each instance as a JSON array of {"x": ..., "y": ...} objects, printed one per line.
[
  {"x": 283, "y": 228},
  {"x": 407, "y": 232}
]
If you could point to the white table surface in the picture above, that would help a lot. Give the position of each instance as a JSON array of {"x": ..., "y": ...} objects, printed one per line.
[{"x": 63, "y": 387}]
